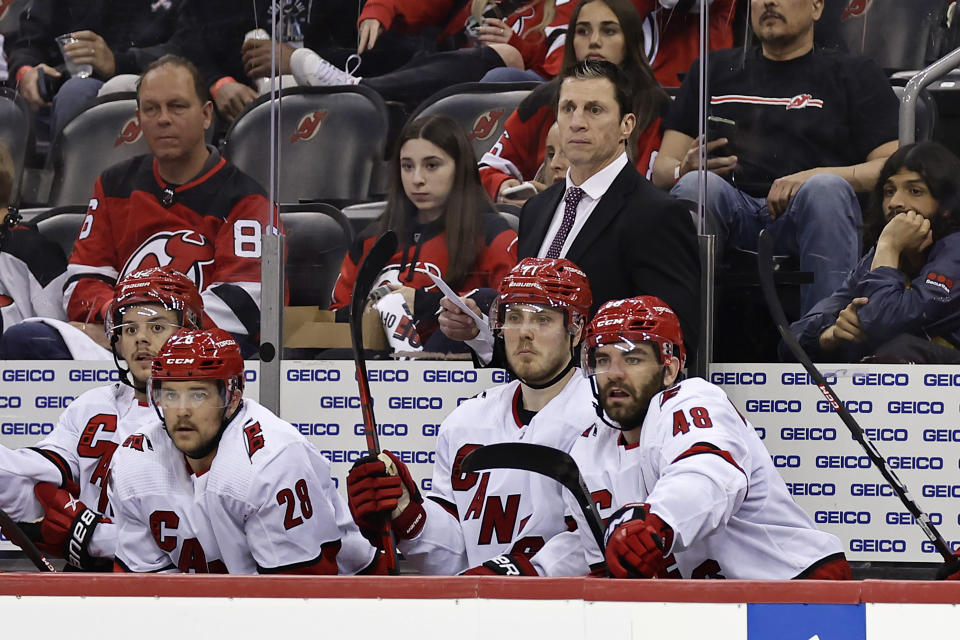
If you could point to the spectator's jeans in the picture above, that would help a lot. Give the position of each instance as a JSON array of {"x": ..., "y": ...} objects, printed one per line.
[
  {"x": 509, "y": 74},
  {"x": 74, "y": 96},
  {"x": 821, "y": 226}
]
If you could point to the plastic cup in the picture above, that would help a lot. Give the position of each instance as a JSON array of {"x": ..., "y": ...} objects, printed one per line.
[{"x": 75, "y": 70}]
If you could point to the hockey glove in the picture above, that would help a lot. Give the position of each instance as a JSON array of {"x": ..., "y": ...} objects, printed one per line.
[
  {"x": 67, "y": 526},
  {"x": 505, "y": 565},
  {"x": 950, "y": 570},
  {"x": 636, "y": 541},
  {"x": 378, "y": 486}
]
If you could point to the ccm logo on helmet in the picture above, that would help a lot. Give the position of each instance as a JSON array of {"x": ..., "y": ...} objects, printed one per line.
[{"x": 179, "y": 360}]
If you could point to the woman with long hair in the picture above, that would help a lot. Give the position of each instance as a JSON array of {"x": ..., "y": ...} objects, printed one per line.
[
  {"x": 446, "y": 224},
  {"x": 900, "y": 303},
  {"x": 609, "y": 30}
]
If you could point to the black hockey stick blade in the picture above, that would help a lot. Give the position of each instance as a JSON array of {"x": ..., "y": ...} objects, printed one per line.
[
  {"x": 765, "y": 269},
  {"x": 19, "y": 538},
  {"x": 546, "y": 461}
]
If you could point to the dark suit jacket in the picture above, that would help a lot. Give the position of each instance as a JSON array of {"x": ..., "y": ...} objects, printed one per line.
[{"x": 637, "y": 241}]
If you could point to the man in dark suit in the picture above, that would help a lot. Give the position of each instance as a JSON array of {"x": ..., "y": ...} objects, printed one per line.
[{"x": 627, "y": 236}]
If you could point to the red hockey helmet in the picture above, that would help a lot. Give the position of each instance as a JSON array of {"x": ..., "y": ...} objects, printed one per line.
[
  {"x": 199, "y": 355},
  {"x": 544, "y": 282},
  {"x": 634, "y": 320},
  {"x": 157, "y": 285}
]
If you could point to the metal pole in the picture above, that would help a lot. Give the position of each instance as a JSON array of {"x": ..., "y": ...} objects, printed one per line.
[
  {"x": 707, "y": 242},
  {"x": 908, "y": 103}
]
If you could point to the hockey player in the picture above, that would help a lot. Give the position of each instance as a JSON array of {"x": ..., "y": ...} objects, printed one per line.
[
  {"x": 488, "y": 520},
  {"x": 683, "y": 481},
  {"x": 147, "y": 308},
  {"x": 220, "y": 483}
]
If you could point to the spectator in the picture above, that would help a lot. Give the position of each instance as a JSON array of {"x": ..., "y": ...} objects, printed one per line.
[
  {"x": 111, "y": 36},
  {"x": 899, "y": 303},
  {"x": 555, "y": 164},
  {"x": 806, "y": 128},
  {"x": 517, "y": 40},
  {"x": 183, "y": 206},
  {"x": 446, "y": 225},
  {"x": 602, "y": 30},
  {"x": 676, "y": 28}
]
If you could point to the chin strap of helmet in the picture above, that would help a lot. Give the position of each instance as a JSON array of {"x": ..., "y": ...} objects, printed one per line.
[
  {"x": 215, "y": 442},
  {"x": 125, "y": 376},
  {"x": 602, "y": 414}
]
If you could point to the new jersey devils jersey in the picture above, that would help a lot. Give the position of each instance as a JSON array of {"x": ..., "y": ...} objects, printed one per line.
[
  {"x": 208, "y": 229},
  {"x": 473, "y": 517},
  {"x": 268, "y": 500},
  {"x": 704, "y": 471}
]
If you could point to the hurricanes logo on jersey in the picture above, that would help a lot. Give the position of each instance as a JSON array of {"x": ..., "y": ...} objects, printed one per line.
[
  {"x": 485, "y": 124},
  {"x": 309, "y": 126},
  {"x": 186, "y": 251},
  {"x": 130, "y": 133},
  {"x": 855, "y": 8}
]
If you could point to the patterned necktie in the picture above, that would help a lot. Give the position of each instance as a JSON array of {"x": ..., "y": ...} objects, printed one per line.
[{"x": 572, "y": 199}]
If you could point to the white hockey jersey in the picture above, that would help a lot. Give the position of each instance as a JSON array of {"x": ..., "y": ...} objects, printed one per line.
[
  {"x": 266, "y": 505},
  {"x": 473, "y": 517},
  {"x": 704, "y": 471}
]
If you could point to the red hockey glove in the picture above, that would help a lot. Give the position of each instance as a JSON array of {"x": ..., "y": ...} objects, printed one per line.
[
  {"x": 950, "y": 570},
  {"x": 67, "y": 526},
  {"x": 377, "y": 486},
  {"x": 505, "y": 565},
  {"x": 636, "y": 541}
]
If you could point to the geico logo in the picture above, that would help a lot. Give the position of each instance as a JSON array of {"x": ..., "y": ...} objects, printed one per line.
[
  {"x": 773, "y": 406},
  {"x": 904, "y": 517},
  {"x": 26, "y": 428},
  {"x": 500, "y": 376},
  {"x": 885, "y": 434},
  {"x": 431, "y": 430},
  {"x": 52, "y": 402},
  {"x": 812, "y": 488},
  {"x": 313, "y": 375},
  {"x": 435, "y": 375},
  {"x": 871, "y": 490},
  {"x": 317, "y": 428},
  {"x": 790, "y": 462},
  {"x": 842, "y": 517},
  {"x": 940, "y": 491},
  {"x": 426, "y": 484},
  {"x": 340, "y": 402},
  {"x": 906, "y": 406},
  {"x": 385, "y": 429},
  {"x": 28, "y": 375},
  {"x": 761, "y": 432},
  {"x": 941, "y": 379},
  {"x": 387, "y": 375},
  {"x": 808, "y": 433},
  {"x": 853, "y": 406},
  {"x": 941, "y": 435},
  {"x": 249, "y": 375},
  {"x": 10, "y": 402},
  {"x": 842, "y": 462},
  {"x": 416, "y": 457},
  {"x": 915, "y": 462},
  {"x": 927, "y": 547},
  {"x": 414, "y": 402},
  {"x": 341, "y": 455},
  {"x": 804, "y": 378},
  {"x": 92, "y": 375},
  {"x": 881, "y": 379},
  {"x": 882, "y": 546},
  {"x": 745, "y": 377}
]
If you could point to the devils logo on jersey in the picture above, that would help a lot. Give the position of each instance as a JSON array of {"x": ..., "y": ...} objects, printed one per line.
[
  {"x": 855, "y": 8},
  {"x": 5, "y": 7},
  {"x": 486, "y": 124},
  {"x": 186, "y": 251},
  {"x": 391, "y": 273},
  {"x": 130, "y": 133},
  {"x": 309, "y": 126}
]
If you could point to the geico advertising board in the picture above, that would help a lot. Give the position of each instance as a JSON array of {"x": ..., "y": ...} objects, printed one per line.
[{"x": 911, "y": 413}]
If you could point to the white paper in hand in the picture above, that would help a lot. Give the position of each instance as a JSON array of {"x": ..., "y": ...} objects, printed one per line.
[{"x": 481, "y": 321}]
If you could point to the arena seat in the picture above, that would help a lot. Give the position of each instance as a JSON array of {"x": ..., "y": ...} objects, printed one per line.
[
  {"x": 62, "y": 225},
  {"x": 16, "y": 131},
  {"x": 332, "y": 138},
  {"x": 867, "y": 28},
  {"x": 361, "y": 215},
  {"x": 926, "y": 114},
  {"x": 481, "y": 108},
  {"x": 318, "y": 236},
  {"x": 510, "y": 213},
  {"x": 10, "y": 15}
]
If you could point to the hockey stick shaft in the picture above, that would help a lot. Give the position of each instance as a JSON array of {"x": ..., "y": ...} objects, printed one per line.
[
  {"x": 765, "y": 267},
  {"x": 19, "y": 538}
]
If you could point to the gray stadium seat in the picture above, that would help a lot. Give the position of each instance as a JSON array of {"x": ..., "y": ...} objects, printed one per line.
[
  {"x": 894, "y": 33},
  {"x": 318, "y": 236},
  {"x": 62, "y": 225},
  {"x": 16, "y": 131},
  {"x": 481, "y": 108},
  {"x": 927, "y": 114},
  {"x": 361, "y": 215},
  {"x": 10, "y": 15},
  {"x": 331, "y": 140}
]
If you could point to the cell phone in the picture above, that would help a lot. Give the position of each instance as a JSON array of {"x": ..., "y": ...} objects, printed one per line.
[
  {"x": 718, "y": 127},
  {"x": 47, "y": 86},
  {"x": 520, "y": 192}
]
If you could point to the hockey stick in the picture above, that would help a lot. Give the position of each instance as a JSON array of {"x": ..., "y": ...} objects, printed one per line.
[
  {"x": 765, "y": 267},
  {"x": 546, "y": 461},
  {"x": 19, "y": 538},
  {"x": 374, "y": 262}
]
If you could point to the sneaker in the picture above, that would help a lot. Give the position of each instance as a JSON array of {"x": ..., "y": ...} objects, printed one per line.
[{"x": 310, "y": 70}]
